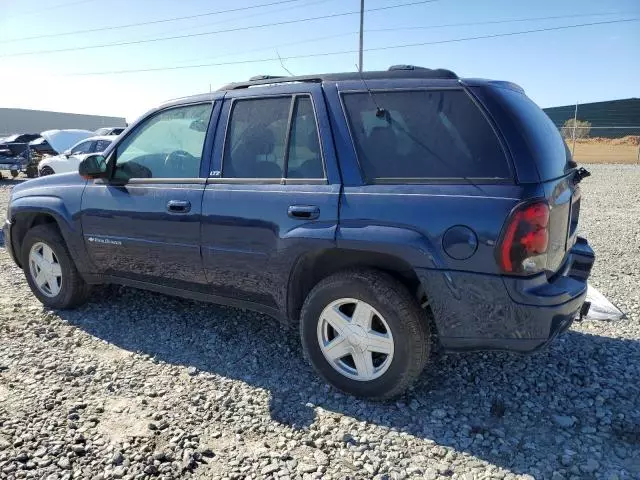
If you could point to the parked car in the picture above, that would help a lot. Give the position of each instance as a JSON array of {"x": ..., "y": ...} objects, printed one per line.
[
  {"x": 70, "y": 159},
  {"x": 110, "y": 131},
  {"x": 377, "y": 212}
]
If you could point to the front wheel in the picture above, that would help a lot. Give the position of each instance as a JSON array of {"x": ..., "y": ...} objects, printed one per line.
[
  {"x": 14, "y": 173},
  {"x": 50, "y": 270},
  {"x": 365, "y": 334},
  {"x": 46, "y": 170}
]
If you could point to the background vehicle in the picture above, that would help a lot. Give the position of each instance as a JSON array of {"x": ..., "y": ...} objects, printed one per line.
[
  {"x": 14, "y": 152},
  {"x": 376, "y": 211},
  {"x": 110, "y": 131},
  {"x": 70, "y": 159}
]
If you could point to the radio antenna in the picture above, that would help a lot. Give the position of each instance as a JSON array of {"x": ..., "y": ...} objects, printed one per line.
[{"x": 380, "y": 112}]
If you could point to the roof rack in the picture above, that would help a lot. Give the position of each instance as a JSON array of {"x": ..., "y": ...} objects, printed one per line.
[{"x": 395, "y": 71}]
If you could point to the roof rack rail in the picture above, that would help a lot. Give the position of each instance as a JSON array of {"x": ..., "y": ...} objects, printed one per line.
[
  {"x": 393, "y": 68},
  {"x": 395, "y": 71},
  {"x": 255, "y": 78}
]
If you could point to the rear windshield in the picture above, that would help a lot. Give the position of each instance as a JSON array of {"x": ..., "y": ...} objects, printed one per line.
[
  {"x": 422, "y": 135},
  {"x": 544, "y": 142}
]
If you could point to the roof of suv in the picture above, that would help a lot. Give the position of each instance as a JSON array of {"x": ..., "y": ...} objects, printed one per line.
[{"x": 397, "y": 72}]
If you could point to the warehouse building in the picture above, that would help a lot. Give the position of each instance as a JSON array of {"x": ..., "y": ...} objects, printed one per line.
[
  {"x": 611, "y": 119},
  {"x": 19, "y": 120}
]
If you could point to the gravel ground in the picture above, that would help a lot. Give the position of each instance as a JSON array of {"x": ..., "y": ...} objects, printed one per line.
[{"x": 139, "y": 385}]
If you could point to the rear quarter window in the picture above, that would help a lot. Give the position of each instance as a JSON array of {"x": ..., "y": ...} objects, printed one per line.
[
  {"x": 423, "y": 135},
  {"x": 545, "y": 145}
]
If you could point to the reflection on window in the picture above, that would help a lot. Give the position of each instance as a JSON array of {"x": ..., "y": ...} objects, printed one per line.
[
  {"x": 304, "y": 159},
  {"x": 168, "y": 145}
]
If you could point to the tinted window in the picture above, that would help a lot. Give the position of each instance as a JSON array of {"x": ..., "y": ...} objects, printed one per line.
[
  {"x": 544, "y": 142},
  {"x": 304, "y": 159},
  {"x": 167, "y": 145},
  {"x": 256, "y": 137},
  {"x": 101, "y": 145},
  {"x": 84, "y": 147},
  {"x": 423, "y": 134}
]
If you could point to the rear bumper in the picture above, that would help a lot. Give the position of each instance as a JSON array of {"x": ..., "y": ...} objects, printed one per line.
[{"x": 479, "y": 312}]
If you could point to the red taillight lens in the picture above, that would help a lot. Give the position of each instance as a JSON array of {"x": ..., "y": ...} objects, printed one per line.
[{"x": 523, "y": 246}]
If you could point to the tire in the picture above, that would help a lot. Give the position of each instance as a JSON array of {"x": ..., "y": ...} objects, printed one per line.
[
  {"x": 44, "y": 171},
  {"x": 14, "y": 173},
  {"x": 72, "y": 289},
  {"x": 32, "y": 172},
  {"x": 396, "y": 317}
]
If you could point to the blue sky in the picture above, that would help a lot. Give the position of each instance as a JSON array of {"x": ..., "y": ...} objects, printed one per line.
[{"x": 585, "y": 64}]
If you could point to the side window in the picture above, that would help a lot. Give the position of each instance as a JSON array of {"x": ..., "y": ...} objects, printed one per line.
[
  {"x": 84, "y": 147},
  {"x": 101, "y": 145},
  {"x": 423, "y": 134},
  {"x": 256, "y": 137},
  {"x": 167, "y": 145},
  {"x": 304, "y": 159}
]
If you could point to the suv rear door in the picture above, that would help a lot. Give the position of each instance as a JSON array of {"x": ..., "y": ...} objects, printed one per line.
[{"x": 272, "y": 193}]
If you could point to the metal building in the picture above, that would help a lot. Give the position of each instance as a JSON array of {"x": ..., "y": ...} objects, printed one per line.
[{"x": 19, "y": 120}]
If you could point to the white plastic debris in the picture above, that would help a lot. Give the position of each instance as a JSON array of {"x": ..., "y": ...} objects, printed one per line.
[{"x": 601, "y": 308}]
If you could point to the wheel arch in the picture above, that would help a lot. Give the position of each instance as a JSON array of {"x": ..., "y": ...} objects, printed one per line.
[
  {"x": 314, "y": 266},
  {"x": 38, "y": 211}
]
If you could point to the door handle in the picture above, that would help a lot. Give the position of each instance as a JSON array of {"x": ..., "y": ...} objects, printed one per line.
[
  {"x": 304, "y": 212},
  {"x": 178, "y": 206}
]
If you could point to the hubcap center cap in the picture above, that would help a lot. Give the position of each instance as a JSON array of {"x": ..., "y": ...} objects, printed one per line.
[{"x": 356, "y": 336}]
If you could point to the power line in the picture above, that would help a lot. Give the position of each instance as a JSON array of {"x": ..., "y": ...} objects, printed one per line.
[
  {"x": 397, "y": 29},
  {"x": 150, "y": 22},
  {"x": 344, "y": 52},
  {"x": 200, "y": 34}
]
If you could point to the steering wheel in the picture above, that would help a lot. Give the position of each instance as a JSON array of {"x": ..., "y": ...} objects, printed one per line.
[{"x": 178, "y": 160}]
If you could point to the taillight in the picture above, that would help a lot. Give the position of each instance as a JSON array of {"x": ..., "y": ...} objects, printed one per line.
[{"x": 523, "y": 246}]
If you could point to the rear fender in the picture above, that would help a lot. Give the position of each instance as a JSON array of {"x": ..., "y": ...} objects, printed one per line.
[{"x": 406, "y": 244}]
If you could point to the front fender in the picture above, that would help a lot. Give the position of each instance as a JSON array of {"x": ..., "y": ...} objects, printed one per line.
[{"x": 69, "y": 224}]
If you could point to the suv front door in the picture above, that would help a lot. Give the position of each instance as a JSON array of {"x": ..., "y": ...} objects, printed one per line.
[
  {"x": 272, "y": 195},
  {"x": 143, "y": 223}
]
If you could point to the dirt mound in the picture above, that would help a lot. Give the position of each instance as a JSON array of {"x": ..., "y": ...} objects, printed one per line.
[{"x": 633, "y": 140}]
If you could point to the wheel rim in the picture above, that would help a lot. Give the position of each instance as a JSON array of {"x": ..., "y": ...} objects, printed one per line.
[
  {"x": 45, "y": 269},
  {"x": 355, "y": 339}
]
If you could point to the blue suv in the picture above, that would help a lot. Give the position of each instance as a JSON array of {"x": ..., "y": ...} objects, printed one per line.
[{"x": 382, "y": 213}]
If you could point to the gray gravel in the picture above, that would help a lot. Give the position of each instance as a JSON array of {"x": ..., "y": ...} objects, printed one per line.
[{"x": 139, "y": 385}]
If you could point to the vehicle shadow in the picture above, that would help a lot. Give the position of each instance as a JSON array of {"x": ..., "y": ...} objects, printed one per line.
[
  {"x": 497, "y": 407},
  {"x": 11, "y": 181}
]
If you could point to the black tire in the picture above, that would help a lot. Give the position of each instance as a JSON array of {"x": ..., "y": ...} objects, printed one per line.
[
  {"x": 14, "y": 173},
  {"x": 407, "y": 322},
  {"x": 74, "y": 291},
  {"x": 32, "y": 172},
  {"x": 44, "y": 171}
]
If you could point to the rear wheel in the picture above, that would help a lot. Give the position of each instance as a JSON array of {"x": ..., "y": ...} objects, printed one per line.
[
  {"x": 49, "y": 269},
  {"x": 14, "y": 173},
  {"x": 46, "y": 170},
  {"x": 365, "y": 333}
]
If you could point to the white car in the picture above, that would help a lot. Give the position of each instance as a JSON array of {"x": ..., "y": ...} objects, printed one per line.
[{"x": 70, "y": 159}]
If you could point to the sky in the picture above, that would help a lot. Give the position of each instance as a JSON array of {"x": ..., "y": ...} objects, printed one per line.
[{"x": 555, "y": 67}]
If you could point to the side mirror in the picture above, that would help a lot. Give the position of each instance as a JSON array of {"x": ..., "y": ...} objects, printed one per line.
[
  {"x": 67, "y": 153},
  {"x": 93, "y": 166}
]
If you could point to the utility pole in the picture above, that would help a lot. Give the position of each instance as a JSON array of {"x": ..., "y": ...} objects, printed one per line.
[
  {"x": 575, "y": 123},
  {"x": 361, "y": 35}
]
